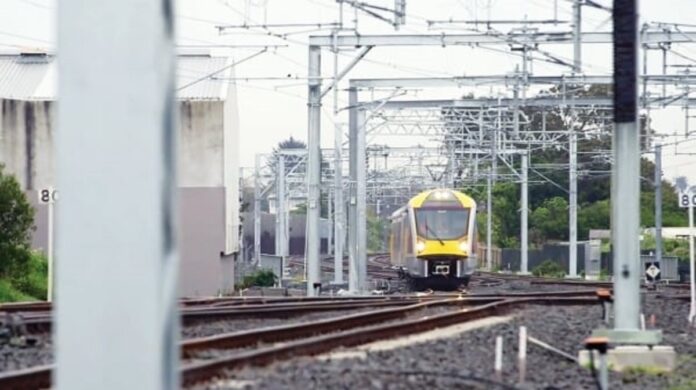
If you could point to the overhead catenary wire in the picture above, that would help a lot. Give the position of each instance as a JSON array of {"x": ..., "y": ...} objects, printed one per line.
[{"x": 224, "y": 68}]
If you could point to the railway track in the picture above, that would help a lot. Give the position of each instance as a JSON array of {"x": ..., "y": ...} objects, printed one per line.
[
  {"x": 265, "y": 345},
  {"x": 499, "y": 278}
]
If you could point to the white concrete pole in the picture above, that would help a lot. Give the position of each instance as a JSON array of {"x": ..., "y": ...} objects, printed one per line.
[
  {"x": 314, "y": 172},
  {"x": 117, "y": 261},
  {"x": 524, "y": 213},
  {"x": 330, "y": 217},
  {"x": 49, "y": 249},
  {"x": 573, "y": 206},
  {"x": 361, "y": 201},
  {"x": 353, "y": 285},
  {"x": 577, "y": 40},
  {"x": 257, "y": 209},
  {"x": 625, "y": 181},
  {"x": 658, "y": 203},
  {"x": 692, "y": 257},
  {"x": 339, "y": 206},
  {"x": 281, "y": 214}
]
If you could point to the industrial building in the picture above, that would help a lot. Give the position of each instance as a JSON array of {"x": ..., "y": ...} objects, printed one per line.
[{"x": 208, "y": 169}]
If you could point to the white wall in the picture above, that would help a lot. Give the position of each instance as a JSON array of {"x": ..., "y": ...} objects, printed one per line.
[
  {"x": 208, "y": 180},
  {"x": 26, "y": 141}
]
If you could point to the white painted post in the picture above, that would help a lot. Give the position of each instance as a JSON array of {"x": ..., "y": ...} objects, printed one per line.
[
  {"x": 116, "y": 257},
  {"x": 692, "y": 255},
  {"x": 498, "y": 357},
  {"x": 524, "y": 211},
  {"x": 48, "y": 196},
  {"x": 522, "y": 353},
  {"x": 49, "y": 255}
]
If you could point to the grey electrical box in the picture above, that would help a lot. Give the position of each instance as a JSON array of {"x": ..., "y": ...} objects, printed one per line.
[
  {"x": 273, "y": 263},
  {"x": 666, "y": 269},
  {"x": 593, "y": 259}
]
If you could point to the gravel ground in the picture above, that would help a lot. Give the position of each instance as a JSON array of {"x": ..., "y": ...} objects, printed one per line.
[
  {"x": 204, "y": 329},
  {"x": 22, "y": 352},
  {"x": 466, "y": 360},
  {"x": 208, "y": 354},
  {"x": 37, "y": 349}
]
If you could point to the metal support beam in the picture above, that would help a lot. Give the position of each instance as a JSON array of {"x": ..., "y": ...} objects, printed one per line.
[
  {"x": 508, "y": 79},
  {"x": 257, "y": 209},
  {"x": 692, "y": 258},
  {"x": 281, "y": 210},
  {"x": 314, "y": 172},
  {"x": 493, "y": 169},
  {"x": 625, "y": 189},
  {"x": 330, "y": 217},
  {"x": 361, "y": 203},
  {"x": 518, "y": 38},
  {"x": 573, "y": 206},
  {"x": 658, "y": 203},
  {"x": 524, "y": 213},
  {"x": 347, "y": 69},
  {"x": 352, "y": 197},
  {"x": 117, "y": 248},
  {"x": 577, "y": 36},
  {"x": 339, "y": 206}
]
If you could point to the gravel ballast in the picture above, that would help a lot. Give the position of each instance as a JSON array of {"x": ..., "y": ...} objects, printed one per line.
[{"x": 466, "y": 360}]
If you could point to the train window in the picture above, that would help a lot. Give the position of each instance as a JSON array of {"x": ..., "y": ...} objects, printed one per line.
[{"x": 434, "y": 224}]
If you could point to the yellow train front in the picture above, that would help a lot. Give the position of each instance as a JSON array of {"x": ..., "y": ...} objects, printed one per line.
[{"x": 433, "y": 240}]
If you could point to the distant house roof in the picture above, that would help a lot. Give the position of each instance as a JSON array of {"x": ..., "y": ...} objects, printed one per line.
[{"x": 33, "y": 76}]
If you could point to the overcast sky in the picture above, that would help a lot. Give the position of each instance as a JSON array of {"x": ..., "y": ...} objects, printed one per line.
[{"x": 275, "y": 109}]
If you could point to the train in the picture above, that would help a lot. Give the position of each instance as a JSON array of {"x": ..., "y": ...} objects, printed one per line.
[{"x": 433, "y": 240}]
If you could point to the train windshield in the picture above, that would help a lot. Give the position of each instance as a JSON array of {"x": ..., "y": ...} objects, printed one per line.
[{"x": 439, "y": 224}]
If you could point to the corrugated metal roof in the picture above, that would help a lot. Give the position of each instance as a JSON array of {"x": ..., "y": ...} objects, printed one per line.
[
  {"x": 193, "y": 68},
  {"x": 21, "y": 75},
  {"x": 33, "y": 77}
]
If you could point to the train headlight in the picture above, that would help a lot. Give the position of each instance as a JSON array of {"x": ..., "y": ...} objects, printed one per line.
[
  {"x": 463, "y": 246},
  {"x": 420, "y": 246}
]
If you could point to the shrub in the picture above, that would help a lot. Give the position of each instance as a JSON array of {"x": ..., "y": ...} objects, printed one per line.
[
  {"x": 17, "y": 263},
  {"x": 8, "y": 293},
  {"x": 549, "y": 268},
  {"x": 34, "y": 281},
  {"x": 260, "y": 278}
]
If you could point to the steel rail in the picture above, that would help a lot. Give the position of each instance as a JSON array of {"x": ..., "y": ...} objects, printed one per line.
[
  {"x": 201, "y": 371},
  {"x": 312, "y": 338}
]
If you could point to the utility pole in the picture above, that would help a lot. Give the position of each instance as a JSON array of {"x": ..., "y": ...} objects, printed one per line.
[
  {"x": 577, "y": 36},
  {"x": 117, "y": 222},
  {"x": 361, "y": 201},
  {"x": 353, "y": 286},
  {"x": 658, "y": 203},
  {"x": 692, "y": 257},
  {"x": 573, "y": 205},
  {"x": 281, "y": 212},
  {"x": 313, "y": 172},
  {"x": 339, "y": 206},
  {"x": 625, "y": 185},
  {"x": 257, "y": 209},
  {"x": 626, "y": 171},
  {"x": 493, "y": 169},
  {"x": 330, "y": 217},
  {"x": 524, "y": 210}
]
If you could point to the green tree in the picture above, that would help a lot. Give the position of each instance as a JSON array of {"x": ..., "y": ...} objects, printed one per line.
[
  {"x": 16, "y": 225},
  {"x": 550, "y": 220},
  {"x": 595, "y": 215},
  {"x": 376, "y": 232}
]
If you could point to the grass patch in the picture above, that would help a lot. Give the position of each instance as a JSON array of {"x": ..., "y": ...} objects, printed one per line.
[
  {"x": 8, "y": 293},
  {"x": 29, "y": 285},
  {"x": 260, "y": 278},
  {"x": 549, "y": 269}
]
